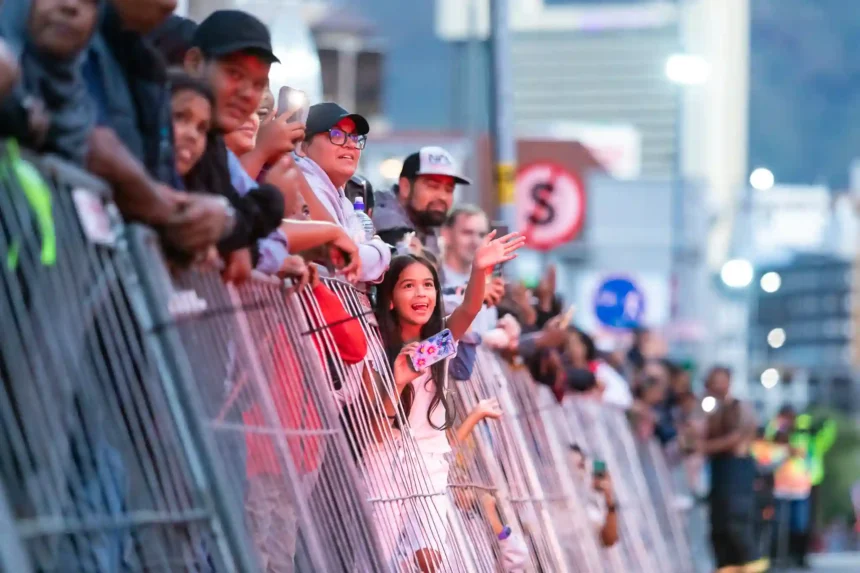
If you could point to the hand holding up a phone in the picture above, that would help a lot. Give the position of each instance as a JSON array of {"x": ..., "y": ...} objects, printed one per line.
[
  {"x": 293, "y": 105},
  {"x": 278, "y": 137},
  {"x": 282, "y": 132},
  {"x": 602, "y": 482},
  {"x": 402, "y": 369}
]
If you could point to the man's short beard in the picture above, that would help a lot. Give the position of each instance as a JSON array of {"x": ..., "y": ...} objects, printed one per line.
[
  {"x": 423, "y": 219},
  {"x": 427, "y": 219}
]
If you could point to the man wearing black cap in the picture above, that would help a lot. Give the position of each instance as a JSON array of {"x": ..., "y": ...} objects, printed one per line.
[
  {"x": 232, "y": 51},
  {"x": 333, "y": 142},
  {"x": 421, "y": 199}
]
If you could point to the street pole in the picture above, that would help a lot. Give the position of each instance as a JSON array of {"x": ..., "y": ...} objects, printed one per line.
[
  {"x": 502, "y": 135},
  {"x": 473, "y": 50}
]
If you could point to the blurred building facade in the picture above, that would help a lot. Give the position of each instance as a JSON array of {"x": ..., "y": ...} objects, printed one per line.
[
  {"x": 802, "y": 334},
  {"x": 664, "y": 165}
]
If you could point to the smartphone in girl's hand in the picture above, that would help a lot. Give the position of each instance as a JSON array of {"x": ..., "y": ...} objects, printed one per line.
[{"x": 438, "y": 347}]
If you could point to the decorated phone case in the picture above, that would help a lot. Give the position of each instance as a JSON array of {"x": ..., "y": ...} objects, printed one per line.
[{"x": 438, "y": 347}]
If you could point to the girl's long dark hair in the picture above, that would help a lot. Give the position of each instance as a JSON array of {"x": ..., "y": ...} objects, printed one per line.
[{"x": 389, "y": 326}]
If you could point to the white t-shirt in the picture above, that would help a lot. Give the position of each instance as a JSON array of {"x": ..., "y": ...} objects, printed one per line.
[
  {"x": 617, "y": 390},
  {"x": 487, "y": 317},
  {"x": 429, "y": 439}
]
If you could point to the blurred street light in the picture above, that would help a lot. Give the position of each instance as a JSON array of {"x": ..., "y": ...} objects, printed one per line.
[
  {"x": 770, "y": 282},
  {"x": 770, "y": 378},
  {"x": 761, "y": 179},
  {"x": 776, "y": 338},
  {"x": 390, "y": 168},
  {"x": 737, "y": 273},
  {"x": 687, "y": 69}
]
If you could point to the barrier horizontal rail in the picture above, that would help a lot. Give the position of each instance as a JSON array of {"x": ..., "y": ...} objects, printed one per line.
[{"x": 254, "y": 435}]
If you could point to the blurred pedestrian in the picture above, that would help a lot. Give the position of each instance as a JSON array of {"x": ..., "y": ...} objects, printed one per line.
[
  {"x": 731, "y": 428},
  {"x": 809, "y": 442},
  {"x": 463, "y": 231}
]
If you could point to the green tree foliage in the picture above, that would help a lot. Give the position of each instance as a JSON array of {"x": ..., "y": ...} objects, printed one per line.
[{"x": 842, "y": 469}]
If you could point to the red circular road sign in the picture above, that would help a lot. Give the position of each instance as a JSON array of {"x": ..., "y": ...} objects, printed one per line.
[{"x": 550, "y": 205}]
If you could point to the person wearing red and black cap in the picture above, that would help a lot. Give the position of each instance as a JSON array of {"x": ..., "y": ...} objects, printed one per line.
[
  {"x": 421, "y": 199},
  {"x": 332, "y": 148}
]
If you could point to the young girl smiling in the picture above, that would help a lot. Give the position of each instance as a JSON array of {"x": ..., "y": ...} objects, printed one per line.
[{"x": 409, "y": 310}]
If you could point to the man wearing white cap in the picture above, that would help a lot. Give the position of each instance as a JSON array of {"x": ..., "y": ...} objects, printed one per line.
[{"x": 421, "y": 199}]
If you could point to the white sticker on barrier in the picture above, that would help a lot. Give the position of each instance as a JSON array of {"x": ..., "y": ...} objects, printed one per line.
[
  {"x": 94, "y": 217},
  {"x": 183, "y": 303}
]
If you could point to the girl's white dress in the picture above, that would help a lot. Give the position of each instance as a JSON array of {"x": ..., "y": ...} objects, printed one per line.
[{"x": 408, "y": 482}]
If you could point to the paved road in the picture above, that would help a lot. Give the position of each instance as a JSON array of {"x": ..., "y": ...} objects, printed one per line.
[{"x": 837, "y": 563}]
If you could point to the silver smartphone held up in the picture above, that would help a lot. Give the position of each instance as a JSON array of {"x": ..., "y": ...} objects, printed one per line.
[{"x": 294, "y": 102}]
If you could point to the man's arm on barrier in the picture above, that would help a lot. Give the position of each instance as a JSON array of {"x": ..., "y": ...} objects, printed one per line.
[
  {"x": 137, "y": 194},
  {"x": 190, "y": 222}
]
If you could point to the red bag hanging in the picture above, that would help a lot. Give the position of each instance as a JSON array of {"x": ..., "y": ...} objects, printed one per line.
[{"x": 345, "y": 329}]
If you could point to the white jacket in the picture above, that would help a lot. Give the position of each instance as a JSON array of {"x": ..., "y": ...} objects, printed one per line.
[
  {"x": 617, "y": 391},
  {"x": 375, "y": 255}
]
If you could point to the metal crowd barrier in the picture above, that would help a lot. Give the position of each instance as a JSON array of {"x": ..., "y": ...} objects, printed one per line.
[
  {"x": 164, "y": 421},
  {"x": 102, "y": 464}
]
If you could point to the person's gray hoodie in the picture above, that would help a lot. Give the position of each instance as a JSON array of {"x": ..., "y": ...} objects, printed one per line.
[
  {"x": 374, "y": 253},
  {"x": 392, "y": 222}
]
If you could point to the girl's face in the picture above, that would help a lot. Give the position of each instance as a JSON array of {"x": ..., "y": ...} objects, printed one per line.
[
  {"x": 267, "y": 106},
  {"x": 192, "y": 119},
  {"x": 295, "y": 207},
  {"x": 414, "y": 296},
  {"x": 244, "y": 139}
]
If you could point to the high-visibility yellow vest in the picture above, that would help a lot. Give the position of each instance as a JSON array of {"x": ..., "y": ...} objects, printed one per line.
[
  {"x": 793, "y": 479},
  {"x": 767, "y": 454},
  {"x": 814, "y": 443}
]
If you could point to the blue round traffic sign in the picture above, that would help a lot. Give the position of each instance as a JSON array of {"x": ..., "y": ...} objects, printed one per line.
[{"x": 619, "y": 303}]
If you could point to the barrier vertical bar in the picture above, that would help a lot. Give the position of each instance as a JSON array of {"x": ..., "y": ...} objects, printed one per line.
[
  {"x": 167, "y": 349},
  {"x": 13, "y": 556}
]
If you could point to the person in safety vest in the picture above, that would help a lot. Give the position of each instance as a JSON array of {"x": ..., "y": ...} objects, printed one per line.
[
  {"x": 768, "y": 457},
  {"x": 810, "y": 442}
]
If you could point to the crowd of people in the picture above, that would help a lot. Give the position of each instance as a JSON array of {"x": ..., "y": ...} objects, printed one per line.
[{"x": 178, "y": 118}]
